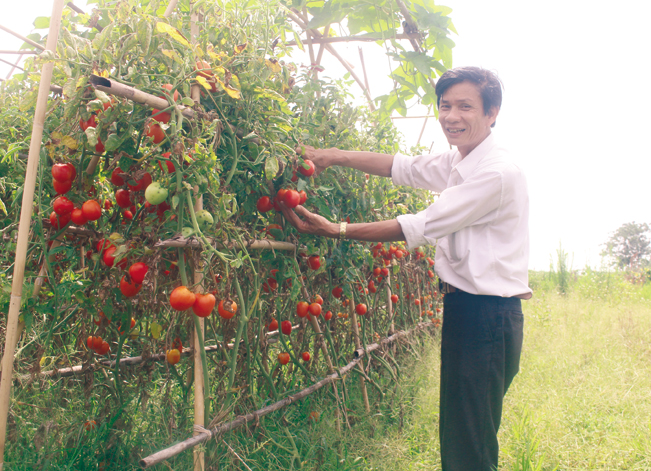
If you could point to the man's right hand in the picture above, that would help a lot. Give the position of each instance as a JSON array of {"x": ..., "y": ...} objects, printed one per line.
[{"x": 321, "y": 158}]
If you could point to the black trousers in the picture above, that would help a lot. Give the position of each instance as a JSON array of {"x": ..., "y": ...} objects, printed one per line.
[{"x": 480, "y": 356}]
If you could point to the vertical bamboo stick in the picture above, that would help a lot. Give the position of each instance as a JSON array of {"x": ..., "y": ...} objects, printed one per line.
[
  {"x": 358, "y": 345},
  {"x": 23, "y": 229},
  {"x": 199, "y": 386}
]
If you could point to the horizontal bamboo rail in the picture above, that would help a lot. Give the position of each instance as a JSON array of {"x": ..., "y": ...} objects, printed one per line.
[
  {"x": 198, "y": 439},
  {"x": 23, "y": 51},
  {"x": 132, "y": 361},
  {"x": 347, "y": 39},
  {"x": 193, "y": 242}
]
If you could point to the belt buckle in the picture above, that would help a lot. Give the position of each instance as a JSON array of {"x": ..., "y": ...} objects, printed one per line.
[{"x": 444, "y": 288}]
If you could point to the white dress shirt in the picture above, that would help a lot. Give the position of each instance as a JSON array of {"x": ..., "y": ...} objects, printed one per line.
[{"x": 480, "y": 222}]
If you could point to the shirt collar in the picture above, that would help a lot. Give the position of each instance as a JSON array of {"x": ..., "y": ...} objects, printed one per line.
[{"x": 468, "y": 164}]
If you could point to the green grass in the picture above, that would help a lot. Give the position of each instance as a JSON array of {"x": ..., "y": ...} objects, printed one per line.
[{"x": 582, "y": 399}]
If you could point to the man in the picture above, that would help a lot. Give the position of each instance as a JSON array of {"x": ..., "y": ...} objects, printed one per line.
[{"x": 480, "y": 227}]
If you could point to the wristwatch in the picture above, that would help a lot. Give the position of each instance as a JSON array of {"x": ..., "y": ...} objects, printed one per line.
[{"x": 342, "y": 230}]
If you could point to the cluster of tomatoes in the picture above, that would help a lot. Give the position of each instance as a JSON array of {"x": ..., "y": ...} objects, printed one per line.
[
  {"x": 202, "y": 305},
  {"x": 64, "y": 210},
  {"x": 100, "y": 346},
  {"x": 290, "y": 197}
]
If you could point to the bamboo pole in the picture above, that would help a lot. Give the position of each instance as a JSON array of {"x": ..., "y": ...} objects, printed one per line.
[
  {"x": 170, "y": 8},
  {"x": 19, "y": 36},
  {"x": 348, "y": 39},
  {"x": 358, "y": 345},
  {"x": 12, "y": 64},
  {"x": 199, "y": 384},
  {"x": 193, "y": 242},
  {"x": 118, "y": 89},
  {"x": 24, "y": 227},
  {"x": 23, "y": 51},
  {"x": 174, "y": 450}
]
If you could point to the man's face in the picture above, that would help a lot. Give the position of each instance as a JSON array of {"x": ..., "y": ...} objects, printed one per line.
[{"x": 461, "y": 114}]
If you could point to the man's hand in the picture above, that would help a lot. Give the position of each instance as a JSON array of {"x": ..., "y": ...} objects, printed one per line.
[
  {"x": 311, "y": 223},
  {"x": 382, "y": 231},
  {"x": 321, "y": 158}
]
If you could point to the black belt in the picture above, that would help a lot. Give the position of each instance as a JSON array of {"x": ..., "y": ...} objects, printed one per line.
[{"x": 445, "y": 288}]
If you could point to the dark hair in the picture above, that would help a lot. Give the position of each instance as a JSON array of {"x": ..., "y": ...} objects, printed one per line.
[{"x": 490, "y": 86}]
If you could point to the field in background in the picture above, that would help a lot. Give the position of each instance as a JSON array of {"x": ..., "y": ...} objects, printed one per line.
[{"x": 580, "y": 402}]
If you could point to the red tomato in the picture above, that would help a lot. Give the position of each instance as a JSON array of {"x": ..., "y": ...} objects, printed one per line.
[
  {"x": 62, "y": 205},
  {"x": 165, "y": 116},
  {"x": 305, "y": 356},
  {"x": 264, "y": 204},
  {"x": 129, "y": 288},
  {"x": 385, "y": 271},
  {"x": 273, "y": 325},
  {"x": 318, "y": 299},
  {"x": 399, "y": 254},
  {"x": 303, "y": 197},
  {"x": 203, "y": 69},
  {"x": 182, "y": 298},
  {"x": 371, "y": 286},
  {"x": 128, "y": 215},
  {"x": 123, "y": 198},
  {"x": 337, "y": 292},
  {"x": 137, "y": 272},
  {"x": 62, "y": 187},
  {"x": 360, "y": 309},
  {"x": 430, "y": 261},
  {"x": 377, "y": 271},
  {"x": 286, "y": 327},
  {"x": 154, "y": 131},
  {"x": 108, "y": 257},
  {"x": 64, "y": 172},
  {"x": 291, "y": 198},
  {"x": 116, "y": 179},
  {"x": 308, "y": 172},
  {"x": 328, "y": 315},
  {"x": 430, "y": 273},
  {"x": 99, "y": 147},
  {"x": 314, "y": 262},
  {"x": 417, "y": 302},
  {"x": 314, "y": 309},
  {"x": 59, "y": 221},
  {"x": 104, "y": 349},
  {"x": 141, "y": 184},
  {"x": 78, "y": 218},
  {"x": 283, "y": 358},
  {"x": 88, "y": 123},
  {"x": 227, "y": 309},
  {"x": 301, "y": 308},
  {"x": 92, "y": 210},
  {"x": 394, "y": 298},
  {"x": 270, "y": 285},
  {"x": 204, "y": 305}
]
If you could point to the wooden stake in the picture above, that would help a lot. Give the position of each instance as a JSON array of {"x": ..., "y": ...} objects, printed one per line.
[{"x": 24, "y": 227}]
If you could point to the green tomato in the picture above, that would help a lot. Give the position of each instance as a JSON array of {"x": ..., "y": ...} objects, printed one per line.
[
  {"x": 204, "y": 218},
  {"x": 187, "y": 232},
  {"x": 155, "y": 193}
]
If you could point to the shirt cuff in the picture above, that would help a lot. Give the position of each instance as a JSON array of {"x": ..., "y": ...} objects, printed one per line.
[
  {"x": 413, "y": 227},
  {"x": 400, "y": 168}
]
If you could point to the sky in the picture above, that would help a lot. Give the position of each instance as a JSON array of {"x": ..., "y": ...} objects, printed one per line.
[{"x": 577, "y": 103}]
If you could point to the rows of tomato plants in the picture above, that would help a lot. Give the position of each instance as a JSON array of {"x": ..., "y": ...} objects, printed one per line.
[{"x": 117, "y": 181}]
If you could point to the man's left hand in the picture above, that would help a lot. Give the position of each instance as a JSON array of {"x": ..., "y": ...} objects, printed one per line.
[{"x": 309, "y": 223}]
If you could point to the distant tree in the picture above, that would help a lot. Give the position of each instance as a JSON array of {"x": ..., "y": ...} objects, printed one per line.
[{"x": 629, "y": 246}]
